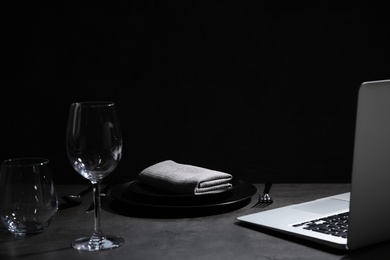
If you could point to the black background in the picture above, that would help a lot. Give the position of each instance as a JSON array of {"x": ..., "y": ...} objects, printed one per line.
[{"x": 266, "y": 92}]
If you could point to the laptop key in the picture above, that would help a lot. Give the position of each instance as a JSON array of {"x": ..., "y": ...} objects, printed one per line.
[{"x": 336, "y": 225}]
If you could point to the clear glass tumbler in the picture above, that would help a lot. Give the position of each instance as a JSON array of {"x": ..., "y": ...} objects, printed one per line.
[{"x": 28, "y": 199}]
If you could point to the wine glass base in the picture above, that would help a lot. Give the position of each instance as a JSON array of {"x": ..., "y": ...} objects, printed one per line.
[{"x": 92, "y": 244}]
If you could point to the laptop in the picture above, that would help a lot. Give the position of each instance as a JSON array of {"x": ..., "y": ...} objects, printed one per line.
[{"x": 360, "y": 217}]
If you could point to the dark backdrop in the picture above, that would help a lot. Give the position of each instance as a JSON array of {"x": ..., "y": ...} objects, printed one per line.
[{"x": 266, "y": 92}]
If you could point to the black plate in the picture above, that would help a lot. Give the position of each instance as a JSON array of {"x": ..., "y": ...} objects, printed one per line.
[{"x": 136, "y": 194}]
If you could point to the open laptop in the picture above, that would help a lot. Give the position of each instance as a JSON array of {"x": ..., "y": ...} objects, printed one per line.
[{"x": 361, "y": 216}]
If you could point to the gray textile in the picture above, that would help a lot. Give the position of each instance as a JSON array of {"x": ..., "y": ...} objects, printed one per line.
[{"x": 185, "y": 179}]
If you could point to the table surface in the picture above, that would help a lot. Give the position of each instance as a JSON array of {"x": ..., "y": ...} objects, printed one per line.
[{"x": 215, "y": 236}]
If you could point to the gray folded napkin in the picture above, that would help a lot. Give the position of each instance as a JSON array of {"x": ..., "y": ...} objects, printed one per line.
[{"x": 185, "y": 179}]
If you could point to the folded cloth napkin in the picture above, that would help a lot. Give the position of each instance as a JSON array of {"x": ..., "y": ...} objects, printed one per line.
[{"x": 185, "y": 179}]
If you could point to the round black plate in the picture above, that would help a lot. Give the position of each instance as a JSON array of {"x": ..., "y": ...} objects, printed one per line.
[{"x": 134, "y": 193}]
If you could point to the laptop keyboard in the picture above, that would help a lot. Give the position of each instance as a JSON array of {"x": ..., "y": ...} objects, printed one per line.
[{"x": 335, "y": 225}]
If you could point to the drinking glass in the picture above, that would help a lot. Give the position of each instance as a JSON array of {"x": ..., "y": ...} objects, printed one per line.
[
  {"x": 94, "y": 148},
  {"x": 28, "y": 200}
]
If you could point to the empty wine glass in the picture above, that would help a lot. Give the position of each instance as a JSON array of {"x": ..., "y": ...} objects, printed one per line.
[{"x": 94, "y": 148}]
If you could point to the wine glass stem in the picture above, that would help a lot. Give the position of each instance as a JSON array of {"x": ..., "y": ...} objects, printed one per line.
[{"x": 97, "y": 232}]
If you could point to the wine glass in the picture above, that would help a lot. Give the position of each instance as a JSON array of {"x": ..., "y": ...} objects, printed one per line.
[{"x": 94, "y": 148}]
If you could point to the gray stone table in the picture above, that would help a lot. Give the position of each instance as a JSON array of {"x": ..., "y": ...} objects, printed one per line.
[{"x": 150, "y": 235}]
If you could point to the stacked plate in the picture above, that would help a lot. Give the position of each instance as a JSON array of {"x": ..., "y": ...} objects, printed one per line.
[{"x": 136, "y": 198}]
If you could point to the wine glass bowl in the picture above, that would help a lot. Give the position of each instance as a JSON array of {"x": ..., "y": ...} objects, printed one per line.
[{"x": 94, "y": 148}]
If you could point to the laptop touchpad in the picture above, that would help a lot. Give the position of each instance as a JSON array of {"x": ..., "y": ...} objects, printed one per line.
[{"x": 324, "y": 206}]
